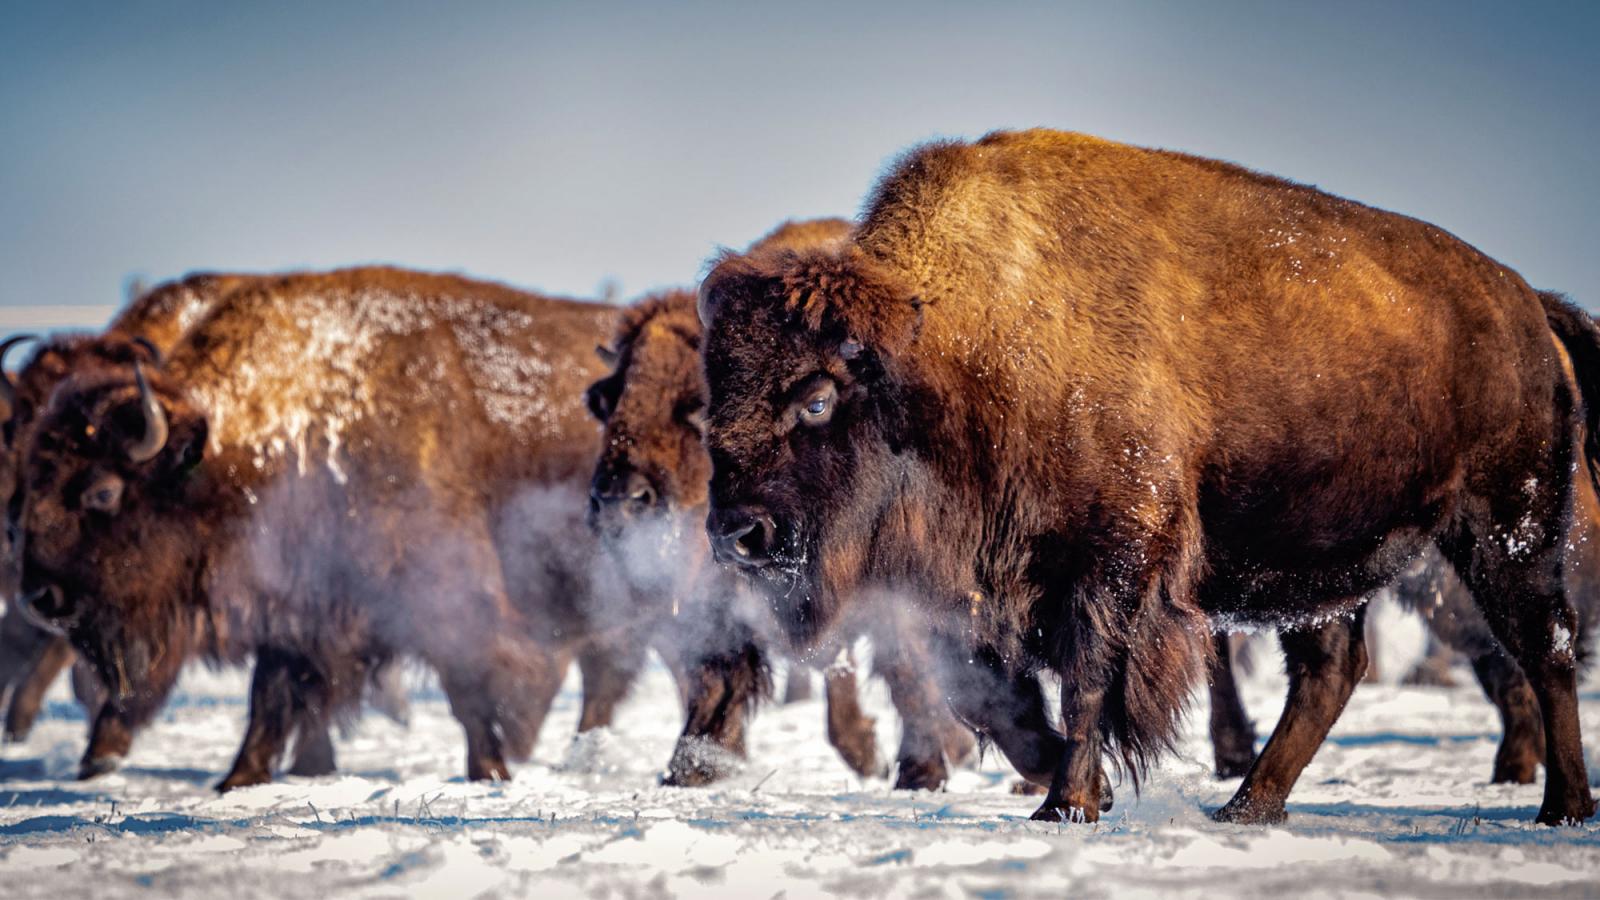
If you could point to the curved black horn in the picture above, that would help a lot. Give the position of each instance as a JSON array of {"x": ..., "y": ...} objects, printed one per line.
[
  {"x": 155, "y": 421},
  {"x": 8, "y": 388}
]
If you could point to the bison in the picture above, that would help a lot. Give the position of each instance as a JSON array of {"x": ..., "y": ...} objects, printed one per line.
[
  {"x": 329, "y": 472},
  {"x": 1083, "y": 401},
  {"x": 648, "y": 495},
  {"x": 31, "y": 657}
]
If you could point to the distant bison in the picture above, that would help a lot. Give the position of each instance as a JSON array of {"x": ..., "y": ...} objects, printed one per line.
[
  {"x": 1084, "y": 400},
  {"x": 330, "y": 471},
  {"x": 648, "y": 500},
  {"x": 30, "y": 657}
]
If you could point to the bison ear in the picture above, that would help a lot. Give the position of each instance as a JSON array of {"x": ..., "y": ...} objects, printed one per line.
[
  {"x": 193, "y": 446},
  {"x": 608, "y": 355}
]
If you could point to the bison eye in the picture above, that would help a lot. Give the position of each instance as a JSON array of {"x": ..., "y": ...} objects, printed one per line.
[
  {"x": 105, "y": 495},
  {"x": 817, "y": 407},
  {"x": 598, "y": 401}
]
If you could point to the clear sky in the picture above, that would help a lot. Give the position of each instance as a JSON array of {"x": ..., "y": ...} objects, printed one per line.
[{"x": 558, "y": 146}]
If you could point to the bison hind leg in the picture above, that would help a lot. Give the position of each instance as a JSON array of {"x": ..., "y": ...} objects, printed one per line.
[
  {"x": 1522, "y": 593},
  {"x": 1233, "y": 735},
  {"x": 1325, "y": 663}
]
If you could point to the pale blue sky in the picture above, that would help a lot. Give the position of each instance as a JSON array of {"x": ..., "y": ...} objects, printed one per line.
[{"x": 559, "y": 145}]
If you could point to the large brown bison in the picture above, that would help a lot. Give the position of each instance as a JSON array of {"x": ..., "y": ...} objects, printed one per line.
[
  {"x": 330, "y": 471},
  {"x": 1083, "y": 400},
  {"x": 30, "y": 657},
  {"x": 648, "y": 498}
]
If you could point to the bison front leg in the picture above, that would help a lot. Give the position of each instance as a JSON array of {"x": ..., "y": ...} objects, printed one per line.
[
  {"x": 110, "y": 739},
  {"x": 1233, "y": 735},
  {"x": 1325, "y": 663},
  {"x": 609, "y": 672},
  {"x": 930, "y": 739},
  {"x": 721, "y": 691},
  {"x": 29, "y": 693},
  {"x": 272, "y": 715},
  {"x": 852, "y": 733},
  {"x": 313, "y": 746},
  {"x": 1007, "y": 708},
  {"x": 1079, "y": 782}
]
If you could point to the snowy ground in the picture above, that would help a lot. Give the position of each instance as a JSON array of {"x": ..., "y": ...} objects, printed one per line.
[{"x": 1396, "y": 804}]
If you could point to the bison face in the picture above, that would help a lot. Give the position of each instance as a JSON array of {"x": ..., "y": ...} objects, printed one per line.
[
  {"x": 650, "y": 479},
  {"x": 108, "y": 555},
  {"x": 806, "y": 423},
  {"x": 19, "y": 404}
]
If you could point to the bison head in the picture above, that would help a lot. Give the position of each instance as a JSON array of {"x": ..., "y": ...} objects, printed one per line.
[
  {"x": 809, "y": 412},
  {"x": 652, "y": 472},
  {"x": 20, "y": 401},
  {"x": 109, "y": 543}
]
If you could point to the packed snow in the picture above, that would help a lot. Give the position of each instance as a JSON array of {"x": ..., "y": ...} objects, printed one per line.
[{"x": 1396, "y": 803}]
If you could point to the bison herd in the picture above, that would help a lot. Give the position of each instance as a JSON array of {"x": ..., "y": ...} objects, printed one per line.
[{"x": 1051, "y": 409}]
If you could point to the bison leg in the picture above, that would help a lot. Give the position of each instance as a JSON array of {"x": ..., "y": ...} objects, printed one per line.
[
  {"x": 850, "y": 730},
  {"x": 1233, "y": 735},
  {"x": 501, "y": 702},
  {"x": 272, "y": 717},
  {"x": 1325, "y": 663},
  {"x": 797, "y": 686},
  {"x": 930, "y": 738},
  {"x": 1521, "y": 729},
  {"x": 313, "y": 746},
  {"x": 28, "y": 695},
  {"x": 723, "y": 688},
  {"x": 1008, "y": 709},
  {"x": 88, "y": 688},
  {"x": 110, "y": 739},
  {"x": 1524, "y": 600},
  {"x": 608, "y": 674}
]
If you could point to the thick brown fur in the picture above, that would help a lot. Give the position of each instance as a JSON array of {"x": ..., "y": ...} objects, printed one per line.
[
  {"x": 1081, "y": 399},
  {"x": 649, "y": 494},
  {"x": 361, "y": 465}
]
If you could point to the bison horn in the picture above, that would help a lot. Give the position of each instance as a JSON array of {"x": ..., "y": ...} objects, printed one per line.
[
  {"x": 8, "y": 388},
  {"x": 155, "y": 421}
]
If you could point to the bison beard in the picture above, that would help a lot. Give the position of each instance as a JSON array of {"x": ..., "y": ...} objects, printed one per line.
[
  {"x": 330, "y": 472},
  {"x": 1084, "y": 400}
]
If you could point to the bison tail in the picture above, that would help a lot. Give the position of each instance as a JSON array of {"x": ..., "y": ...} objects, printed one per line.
[{"x": 1579, "y": 335}]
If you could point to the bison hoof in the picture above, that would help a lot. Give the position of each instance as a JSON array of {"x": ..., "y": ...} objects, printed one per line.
[
  {"x": 921, "y": 775},
  {"x": 313, "y": 768},
  {"x": 488, "y": 770},
  {"x": 1575, "y": 810},
  {"x": 1066, "y": 813},
  {"x": 1515, "y": 771},
  {"x": 697, "y": 762},
  {"x": 242, "y": 780},
  {"x": 1234, "y": 766},
  {"x": 1237, "y": 812},
  {"x": 100, "y": 765}
]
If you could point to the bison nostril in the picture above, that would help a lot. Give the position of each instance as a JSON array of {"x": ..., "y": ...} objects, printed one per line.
[
  {"x": 643, "y": 497},
  {"x": 745, "y": 539}
]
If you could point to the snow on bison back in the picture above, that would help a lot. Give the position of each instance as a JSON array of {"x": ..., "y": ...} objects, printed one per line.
[
  {"x": 1084, "y": 400},
  {"x": 331, "y": 470}
]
